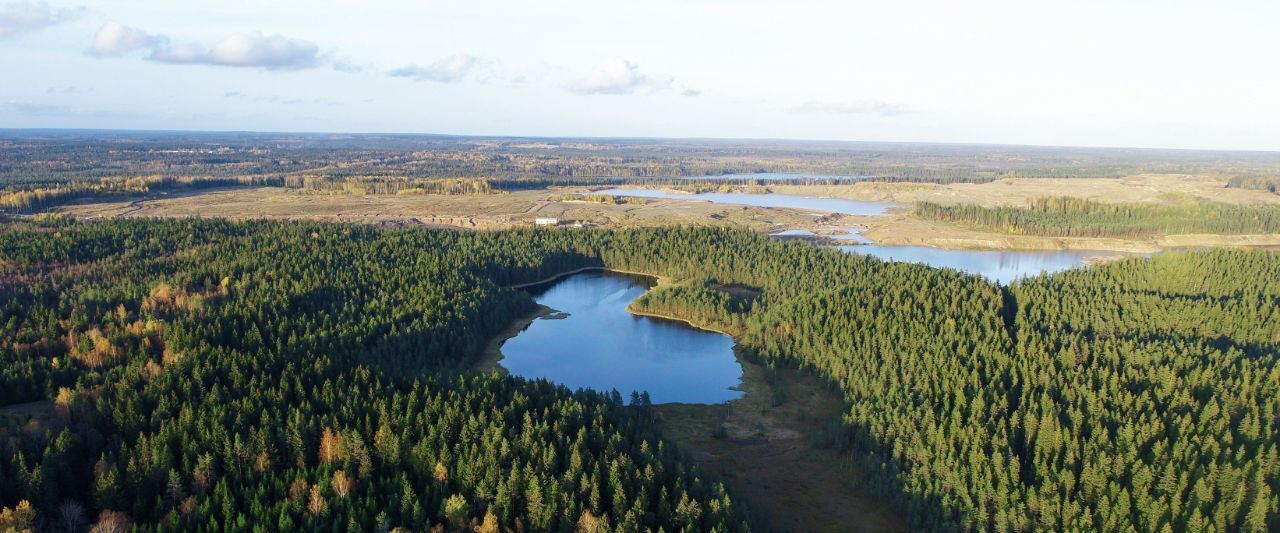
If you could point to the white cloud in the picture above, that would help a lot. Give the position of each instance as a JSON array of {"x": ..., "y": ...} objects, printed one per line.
[
  {"x": 883, "y": 109},
  {"x": 620, "y": 76},
  {"x": 253, "y": 49},
  {"x": 114, "y": 39},
  {"x": 266, "y": 51},
  {"x": 448, "y": 70},
  {"x": 26, "y": 16}
]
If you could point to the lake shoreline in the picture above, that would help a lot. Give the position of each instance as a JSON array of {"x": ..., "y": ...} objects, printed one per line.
[
  {"x": 490, "y": 355},
  {"x": 553, "y": 277},
  {"x": 759, "y": 439},
  {"x": 661, "y": 281},
  {"x": 690, "y": 323}
]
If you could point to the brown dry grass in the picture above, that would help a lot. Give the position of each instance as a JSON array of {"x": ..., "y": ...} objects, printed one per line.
[
  {"x": 1144, "y": 188},
  {"x": 475, "y": 212},
  {"x": 898, "y": 228},
  {"x": 763, "y": 454}
]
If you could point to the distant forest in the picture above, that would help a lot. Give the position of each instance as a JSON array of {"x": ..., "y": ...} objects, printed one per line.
[
  {"x": 1076, "y": 217},
  {"x": 280, "y": 375},
  {"x": 52, "y": 157},
  {"x": 42, "y": 169}
]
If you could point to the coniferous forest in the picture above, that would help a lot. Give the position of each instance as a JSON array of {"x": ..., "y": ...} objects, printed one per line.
[
  {"x": 199, "y": 374},
  {"x": 1077, "y": 217}
]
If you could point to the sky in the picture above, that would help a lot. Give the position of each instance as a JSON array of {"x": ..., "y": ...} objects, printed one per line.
[{"x": 1140, "y": 73}]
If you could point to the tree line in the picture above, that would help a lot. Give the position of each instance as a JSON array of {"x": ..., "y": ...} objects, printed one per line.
[
  {"x": 28, "y": 199},
  {"x": 1077, "y": 217},
  {"x": 1262, "y": 183}
]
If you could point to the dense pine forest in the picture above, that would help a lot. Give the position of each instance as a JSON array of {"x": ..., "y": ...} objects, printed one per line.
[
  {"x": 269, "y": 375},
  {"x": 298, "y": 376},
  {"x": 1075, "y": 217},
  {"x": 1143, "y": 393}
]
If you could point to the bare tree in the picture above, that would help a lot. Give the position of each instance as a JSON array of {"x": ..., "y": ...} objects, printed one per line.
[{"x": 71, "y": 516}]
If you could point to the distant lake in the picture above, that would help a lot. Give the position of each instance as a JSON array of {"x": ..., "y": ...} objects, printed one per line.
[
  {"x": 1000, "y": 266},
  {"x": 775, "y": 176},
  {"x": 839, "y": 235},
  {"x": 826, "y": 205},
  {"x": 770, "y": 176},
  {"x": 601, "y": 346}
]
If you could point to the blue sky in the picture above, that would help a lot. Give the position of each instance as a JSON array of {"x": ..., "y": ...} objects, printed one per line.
[{"x": 1173, "y": 73}]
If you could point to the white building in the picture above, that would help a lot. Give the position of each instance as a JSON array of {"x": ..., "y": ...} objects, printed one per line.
[{"x": 546, "y": 221}]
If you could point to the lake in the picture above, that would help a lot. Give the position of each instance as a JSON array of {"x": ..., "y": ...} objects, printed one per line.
[
  {"x": 771, "y": 176},
  {"x": 826, "y": 205},
  {"x": 599, "y": 345},
  {"x": 1000, "y": 266},
  {"x": 838, "y": 235}
]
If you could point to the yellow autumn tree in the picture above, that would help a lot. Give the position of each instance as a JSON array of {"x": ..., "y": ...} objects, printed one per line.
[
  {"x": 441, "y": 474},
  {"x": 490, "y": 524},
  {"x": 589, "y": 523},
  {"x": 19, "y": 518},
  {"x": 330, "y": 446},
  {"x": 317, "y": 506}
]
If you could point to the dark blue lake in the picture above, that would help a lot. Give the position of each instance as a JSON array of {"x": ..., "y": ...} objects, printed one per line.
[{"x": 599, "y": 345}]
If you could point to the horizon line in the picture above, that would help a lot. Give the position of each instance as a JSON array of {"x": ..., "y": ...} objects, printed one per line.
[{"x": 622, "y": 138}]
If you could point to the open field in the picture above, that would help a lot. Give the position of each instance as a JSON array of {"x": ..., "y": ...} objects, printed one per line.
[
  {"x": 492, "y": 211},
  {"x": 1143, "y": 188},
  {"x": 899, "y": 227}
]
